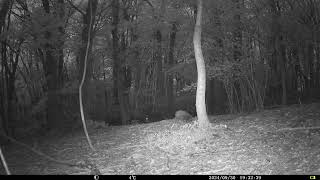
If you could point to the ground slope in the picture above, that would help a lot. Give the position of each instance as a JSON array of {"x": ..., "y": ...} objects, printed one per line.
[{"x": 275, "y": 141}]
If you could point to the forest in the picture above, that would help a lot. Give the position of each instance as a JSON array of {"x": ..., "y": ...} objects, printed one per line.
[{"x": 67, "y": 64}]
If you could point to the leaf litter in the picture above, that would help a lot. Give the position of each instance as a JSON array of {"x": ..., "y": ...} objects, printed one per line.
[{"x": 274, "y": 141}]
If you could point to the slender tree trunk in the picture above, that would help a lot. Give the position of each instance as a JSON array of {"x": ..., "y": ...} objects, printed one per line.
[
  {"x": 283, "y": 72},
  {"x": 201, "y": 82},
  {"x": 4, "y": 94},
  {"x": 158, "y": 61},
  {"x": 237, "y": 51},
  {"x": 125, "y": 71},
  {"x": 215, "y": 92},
  {"x": 171, "y": 62},
  {"x": 309, "y": 66},
  {"x": 11, "y": 89},
  {"x": 4, "y": 123},
  {"x": 89, "y": 17},
  {"x": 4, "y": 5},
  {"x": 84, "y": 39},
  {"x": 50, "y": 68},
  {"x": 137, "y": 75},
  {"x": 237, "y": 33},
  {"x": 115, "y": 50},
  {"x": 90, "y": 13},
  {"x": 124, "y": 83},
  {"x": 119, "y": 92},
  {"x": 317, "y": 69},
  {"x": 61, "y": 12},
  {"x": 278, "y": 49}
]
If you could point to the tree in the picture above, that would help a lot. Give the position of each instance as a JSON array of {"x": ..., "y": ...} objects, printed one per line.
[
  {"x": 278, "y": 44},
  {"x": 201, "y": 69},
  {"x": 171, "y": 62},
  {"x": 119, "y": 70},
  {"x": 237, "y": 33},
  {"x": 85, "y": 65},
  {"x": 4, "y": 81},
  {"x": 51, "y": 64},
  {"x": 5, "y": 5}
]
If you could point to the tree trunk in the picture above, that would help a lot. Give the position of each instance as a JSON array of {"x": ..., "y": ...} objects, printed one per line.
[
  {"x": 215, "y": 93},
  {"x": 84, "y": 39},
  {"x": 309, "y": 67},
  {"x": 158, "y": 61},
  {"x": 90, "y": 13},
  {"x": 125, "y": 71},
  {"x": 237, "y": 33},
  {"x": 11, "y": 89},
  {"x": 137, "y": 73},
  {"x": 4, "y": 92},
  {"x": 119, "y": 91},
  {"x": 124, "y": 84},
  {"x": 283, "y": 70},
  {"x": 51, "y": 73},
  {"x": 317, "y": 69},
  {"x": 278, "y": 50},
  {"x": 171, "y": 62},
  {"x": 61, "y": 13},
  {"x": 201, "y": 82},
  {"x": 4, "y": 123},
  {"x": 5, "y": 5},
  {"x": 115, "y": 51}
]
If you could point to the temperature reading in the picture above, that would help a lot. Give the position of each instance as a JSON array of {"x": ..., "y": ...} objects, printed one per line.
[
  {"x": 96, "y": 177},
  {"x": 132, "y": 177}
]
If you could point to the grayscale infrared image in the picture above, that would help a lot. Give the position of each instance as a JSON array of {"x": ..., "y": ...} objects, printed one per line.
[{"x": 220, "y": 89}]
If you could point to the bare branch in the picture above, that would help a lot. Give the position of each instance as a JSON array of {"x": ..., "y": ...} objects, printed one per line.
[{"x": 75, "y": 7}]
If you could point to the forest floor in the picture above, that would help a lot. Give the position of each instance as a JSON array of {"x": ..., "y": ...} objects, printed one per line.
[{"x": 275, "y": 141}]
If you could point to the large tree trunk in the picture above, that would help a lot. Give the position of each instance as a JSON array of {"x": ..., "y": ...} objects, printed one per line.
[{"x": 201, "y": 82}]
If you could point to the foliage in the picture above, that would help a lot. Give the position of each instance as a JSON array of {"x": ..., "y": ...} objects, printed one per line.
[{"x": 271, "y": 33}]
